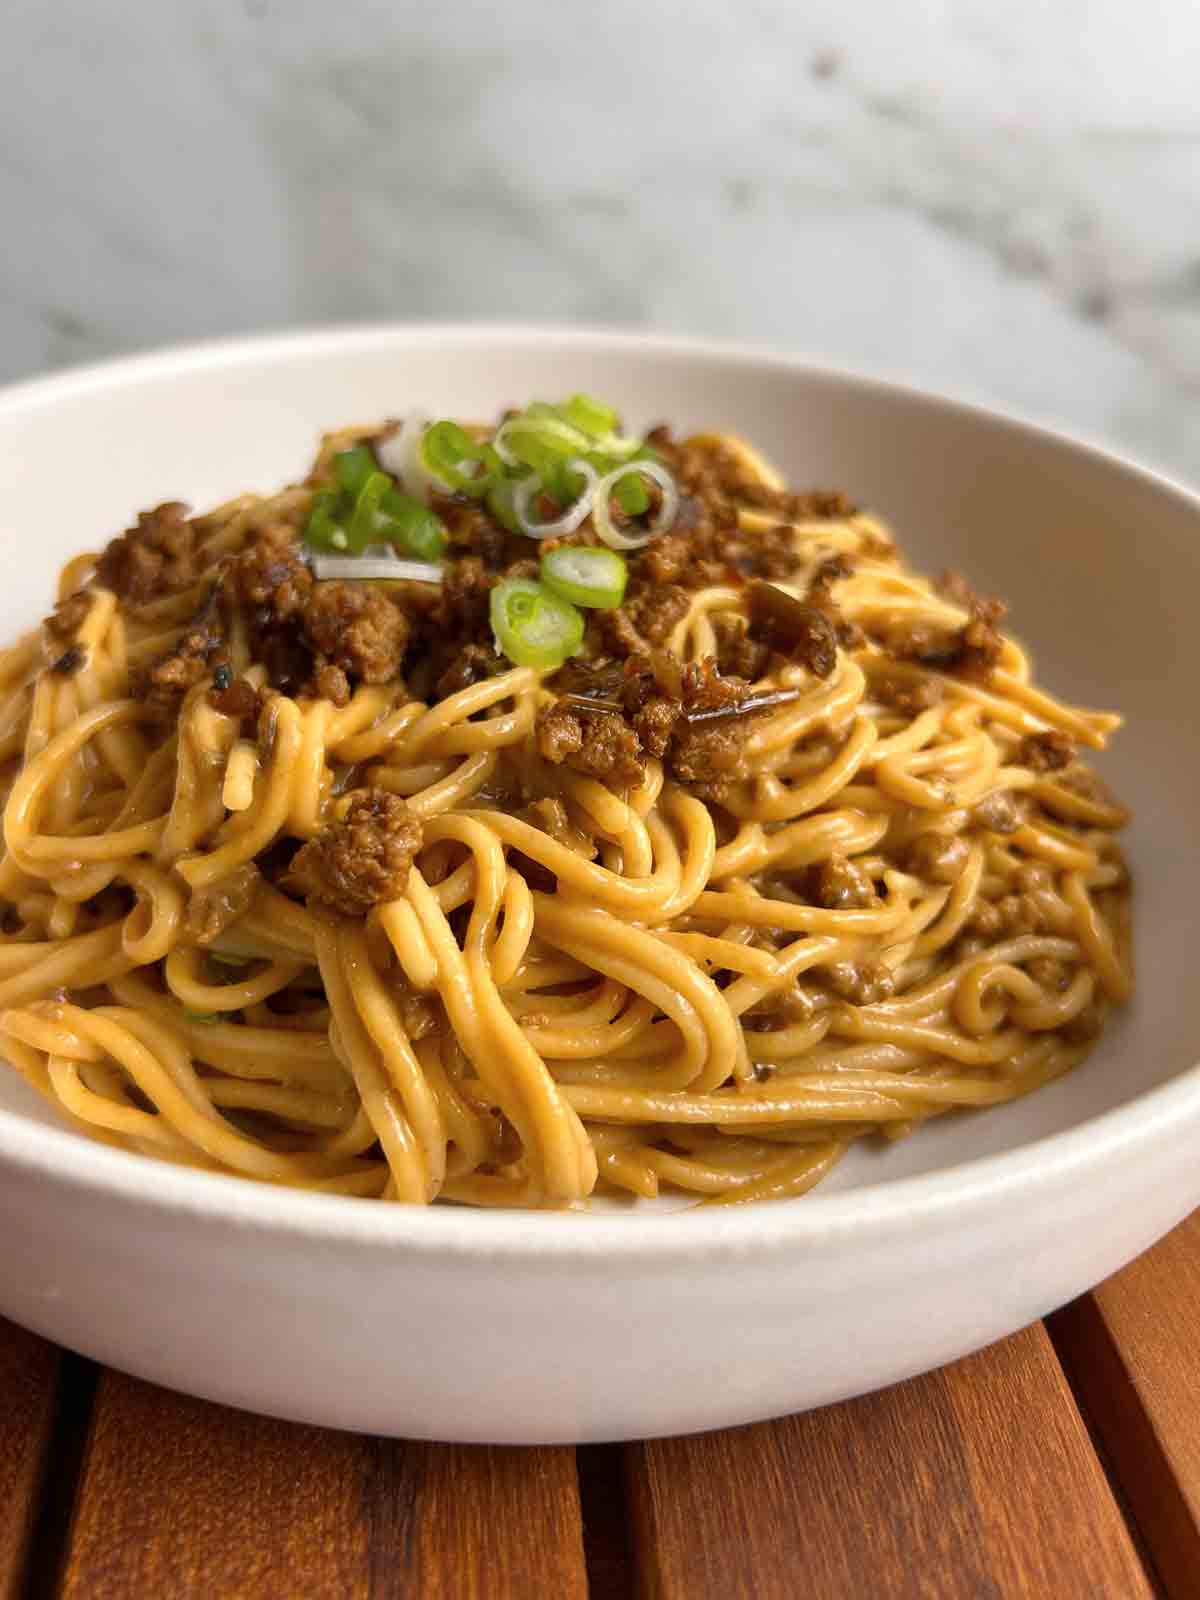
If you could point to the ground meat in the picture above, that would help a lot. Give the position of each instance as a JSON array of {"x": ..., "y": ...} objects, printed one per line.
[
  {"x": 210, "y": 911},
  {"x": 1022, "y": 913},
  {"x": 998, "y": 812},
  {"x": 770, "y": 553},
  {"x": 956, "y": 588},
  {"x": 1087, "y": 784},
  {"x": 932, "y": 644},
  {"x": 69, "y": 662},
  {"x": 937, "y": 857},
  {"x": 832, "y": 570},
  {"x": 163, "y": 685},
  {"x": 703, "y": 689},
  {"x": 358, "y": 628},
  {"x": 599, "y": 744},
  {"x": 667, "y": 559},
  {"x": 794, "y": 1004},
  {"x": 67, "y": 617},
  {"x": 463, "y": 598},
  {"x": 978, "y": 644},
  {"x": 795, "y": 630},
  {"x": 269, "y": 575},
  {"x": 985, "y": 920},
  {"x": 737, "y": 653},
  {"x": 655, "y": 722},
  {"x": 363, "y": 859},
  {"x": 971, "y": 650},
  {"x": 318, "y": 637},
  {"x": 1046, "y": 752},
  {"x": 157, "y": 557},
  {"x": 332, "y": 683},
  {"x": 1034, "y": 877},
  {"x": 471, "y": 665},
  {"x": 708, "y": 756},
  {"x": 820, "y": 597},
  {"x": 646, "y": 619},
  {"x": 470, "y": 532},
  {"x": 862, "y": 983},
  {"x": 978, "y": 649},
  {"x": 1009, "y": 916},
  {"x": 684, "y": 714},
  {"x": 905, "y": 692},
  {"x": 711, "y": 470},
  {"x": 234, "y": 697},
  {"x": 839, "y": 885}
]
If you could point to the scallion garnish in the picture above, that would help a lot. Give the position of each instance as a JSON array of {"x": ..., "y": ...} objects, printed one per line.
[
  {"x": 545, "y": 472},
  {"x": 323, "y": 531},
  {"x": 532, "y": 626},
  {"x": 587, "y": 575},
  {"x": 591, "y": 416},
  {"x": 528, "y": 491},
  {"x": 352, "y": 468},
  {"x": 610, "y": 488},
  {"x": 452, "y": 456},
  {"x": 367, "y": 509}
]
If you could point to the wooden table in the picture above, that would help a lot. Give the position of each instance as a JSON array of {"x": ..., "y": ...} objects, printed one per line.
[{"x": 1064, "y": 1462}]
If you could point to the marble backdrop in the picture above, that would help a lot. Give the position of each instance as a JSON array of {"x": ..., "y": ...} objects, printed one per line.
[{"x": 995, "y": 196}]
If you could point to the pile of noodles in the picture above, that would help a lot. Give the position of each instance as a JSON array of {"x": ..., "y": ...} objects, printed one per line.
[{"x": 627, "y": 1029}]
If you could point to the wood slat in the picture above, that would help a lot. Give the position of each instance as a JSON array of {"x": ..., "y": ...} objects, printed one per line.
[
  {"x": 183, "y": 1498},
  {"x": 1132, "y": 1349},
  {"x": 29, "y": 1369},
  {"x": 977, "y": 1481}
]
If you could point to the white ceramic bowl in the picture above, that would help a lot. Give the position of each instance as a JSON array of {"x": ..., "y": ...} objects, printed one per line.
[{"x": 456, "y": 1324}]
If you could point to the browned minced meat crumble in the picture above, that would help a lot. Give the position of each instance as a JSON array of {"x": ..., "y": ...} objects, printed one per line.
[
  {"x": 624, "y": 700},
  {"x": 362, "y": 858}
]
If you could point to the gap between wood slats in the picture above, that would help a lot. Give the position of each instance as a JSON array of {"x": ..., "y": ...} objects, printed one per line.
[
  {"x": 1133, "y": 1357},
  {"x": 973, "y": 1482},
  {"x": 605, "y": 1507},
  {"x": 60, "y": 1482},
  {"x": 183, "y": 1498}
]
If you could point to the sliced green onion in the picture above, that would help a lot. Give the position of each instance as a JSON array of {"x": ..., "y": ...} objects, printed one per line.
[
  {"x": 363, "y": 528},
  {"x": 591, "y": 416},
  {"x": 408, "y": 523},
  {"x": 202, "y": 1016},
  {"x": 499, "y": 501},
  {"x": 538, "y": 441},
  {"x": 533, "y": 627},
  {"x": 352, "y": 468},
  {"x": 528, "y": 489},
  {"x": 629, "y": 491},
  {"x": 638, "y": 535},
  {"x": 324, "y": 530},
  {"x": 587, "y": 575},
  {"x": 447, "y": 450}
]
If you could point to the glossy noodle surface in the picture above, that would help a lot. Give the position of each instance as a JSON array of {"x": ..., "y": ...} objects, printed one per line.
[{"x": 304, "y": 881}]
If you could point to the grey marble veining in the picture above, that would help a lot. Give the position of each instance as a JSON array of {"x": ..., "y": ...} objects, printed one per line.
[{"x": 997, "y": 198}]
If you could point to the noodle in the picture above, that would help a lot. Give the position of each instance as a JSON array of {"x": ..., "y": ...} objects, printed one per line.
[{"x": 849, "y": 893}]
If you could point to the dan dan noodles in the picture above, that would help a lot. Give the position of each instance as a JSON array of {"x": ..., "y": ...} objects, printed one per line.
[{"x": 506, "y": 813}]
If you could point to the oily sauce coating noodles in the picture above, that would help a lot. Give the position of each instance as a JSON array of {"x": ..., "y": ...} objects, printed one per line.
[{"x": 357, "y": 916}]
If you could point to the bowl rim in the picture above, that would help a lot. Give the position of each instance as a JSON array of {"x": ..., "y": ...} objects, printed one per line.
[{"x": 877, "y": 1211}]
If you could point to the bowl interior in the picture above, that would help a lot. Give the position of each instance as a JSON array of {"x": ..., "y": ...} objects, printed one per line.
[{"x": 1099, "y": 563}]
